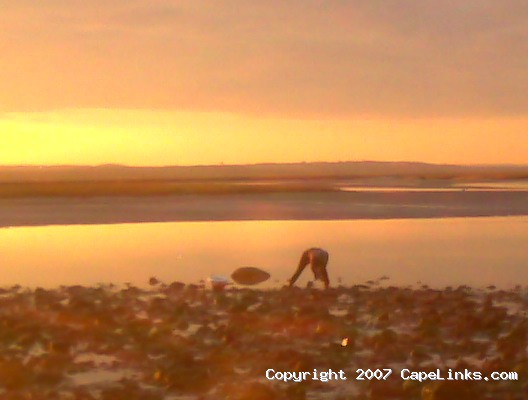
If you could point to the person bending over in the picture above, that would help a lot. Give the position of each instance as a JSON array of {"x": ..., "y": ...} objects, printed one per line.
[{"x": 318, "y": 259}]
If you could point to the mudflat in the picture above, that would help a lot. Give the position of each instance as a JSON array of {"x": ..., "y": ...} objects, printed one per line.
[
  {"x": 182, "y": 341},
  {"x": 330, "y": 205}
]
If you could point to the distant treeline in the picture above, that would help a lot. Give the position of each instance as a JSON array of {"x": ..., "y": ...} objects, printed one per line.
[{"x": 339, "y": 170}]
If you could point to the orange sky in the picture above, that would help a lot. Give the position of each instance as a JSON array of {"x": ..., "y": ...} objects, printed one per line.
[{"x": 202, "y": 82}]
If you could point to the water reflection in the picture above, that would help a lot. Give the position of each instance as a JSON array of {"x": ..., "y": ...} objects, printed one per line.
[
  {"x": 502, "y": 186},
  {"x": 438, "y": 252}
]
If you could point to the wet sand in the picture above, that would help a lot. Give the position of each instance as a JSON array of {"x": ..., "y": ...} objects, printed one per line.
[
  {"x": 264, "y": 206},
  {"x": 187, "y": 342}
]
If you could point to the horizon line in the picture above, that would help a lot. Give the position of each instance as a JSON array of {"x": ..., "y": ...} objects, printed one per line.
[{"x": 259, "y": 164}]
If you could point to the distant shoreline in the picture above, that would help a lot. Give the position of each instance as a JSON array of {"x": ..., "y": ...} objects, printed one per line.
[
  {"x": 41, "y": 211},
  {"x": 271, "y": 171}
]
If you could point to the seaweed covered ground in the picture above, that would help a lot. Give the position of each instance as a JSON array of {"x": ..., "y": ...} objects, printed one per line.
[{"x": 182, "y": 341}]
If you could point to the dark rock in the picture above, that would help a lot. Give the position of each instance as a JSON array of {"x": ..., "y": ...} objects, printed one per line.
[{"x": 250, "y": 276}]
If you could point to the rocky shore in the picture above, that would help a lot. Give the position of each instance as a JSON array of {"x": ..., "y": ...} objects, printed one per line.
[{"x": 178, "y": 341}]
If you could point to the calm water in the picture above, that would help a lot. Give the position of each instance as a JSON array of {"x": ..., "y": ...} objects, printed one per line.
[
  {"x": 438, "y": 252},
  {"x": 502, "y": 186}
]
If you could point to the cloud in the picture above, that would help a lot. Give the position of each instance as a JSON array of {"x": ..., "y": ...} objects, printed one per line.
[{"x": 300, "y": 58}]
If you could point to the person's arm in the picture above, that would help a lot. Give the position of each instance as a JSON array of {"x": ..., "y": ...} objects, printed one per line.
[{"x": 302, "y": 265}]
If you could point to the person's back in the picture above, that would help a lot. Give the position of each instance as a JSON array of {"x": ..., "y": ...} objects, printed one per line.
[{"x": 318, "y": 260}]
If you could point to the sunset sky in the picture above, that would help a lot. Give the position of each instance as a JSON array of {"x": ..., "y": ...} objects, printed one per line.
[{"x": 159, "y": 82}]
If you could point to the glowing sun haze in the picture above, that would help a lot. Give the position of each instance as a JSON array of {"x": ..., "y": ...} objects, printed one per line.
[{"x": 157, "y": 82}]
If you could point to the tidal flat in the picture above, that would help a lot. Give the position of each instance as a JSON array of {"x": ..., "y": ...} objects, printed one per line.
[
  {"x": 251, "y": 206},
  {"x": 185, "y": 341}
]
